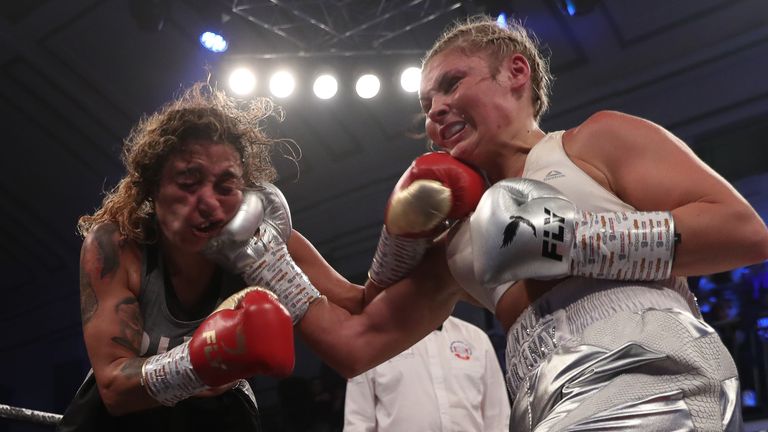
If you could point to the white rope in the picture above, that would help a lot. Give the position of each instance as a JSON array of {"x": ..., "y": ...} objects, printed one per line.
[{"x": 39, "y": 417}]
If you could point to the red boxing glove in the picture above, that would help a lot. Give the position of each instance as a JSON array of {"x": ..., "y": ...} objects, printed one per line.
[
  {"x": 436, "y": 187},
  {"x": 254, "y": 338},
  {"x": 251, "y": 333}
]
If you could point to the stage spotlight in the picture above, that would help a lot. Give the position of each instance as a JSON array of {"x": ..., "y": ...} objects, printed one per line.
[
  {"x": 325, "y": 87},
  {"x": 213, "y": 42},
  {"x": 242, "y": 81},
  {"x": 282, "y": 84},
  {"x": 501, "y": 10},
  {"x": 577, "y": 7},
  {"x": 748, "y": 398},
  {"x": 501, "y": 20},
  {"x": 410, "y": 79},
  {"x": 706, "y": 284},
  {"x": 762, "y": 328},
  {"x": 367, "y": 86},
  {"x": 739, "y": 273}
]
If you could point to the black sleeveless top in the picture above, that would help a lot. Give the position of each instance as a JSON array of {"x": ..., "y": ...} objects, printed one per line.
[{"x": 234, "y": 410}]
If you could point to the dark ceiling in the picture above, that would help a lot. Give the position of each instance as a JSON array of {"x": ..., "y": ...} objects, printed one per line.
[{"x": 77, "y": 74}]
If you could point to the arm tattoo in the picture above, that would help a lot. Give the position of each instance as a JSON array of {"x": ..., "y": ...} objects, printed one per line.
[
  {"x": 131, "y": 326},
  {"x": 108, "y": 243},
  {"x": 108, "y": 249},
  {"x": 89, "y": 303}
]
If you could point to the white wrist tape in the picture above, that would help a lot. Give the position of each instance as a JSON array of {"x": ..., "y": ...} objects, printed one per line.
[
  {"x": 395, "y": 257},
  {"x": 169, "y": 377},
  {"x": 277, "y": 271},
  {"x": 624, "y": 245}
]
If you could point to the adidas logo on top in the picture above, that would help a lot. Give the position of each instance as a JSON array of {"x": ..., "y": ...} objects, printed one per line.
[{"x": 554, "y": 174}]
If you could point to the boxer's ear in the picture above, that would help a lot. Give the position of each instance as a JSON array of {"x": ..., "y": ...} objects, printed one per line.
[{"x": 517, "y": 70}]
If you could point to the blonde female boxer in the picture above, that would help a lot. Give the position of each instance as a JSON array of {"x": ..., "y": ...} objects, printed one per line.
[
  {"x": 580, "y": 248},
  {"x": 582, "y": 245}
]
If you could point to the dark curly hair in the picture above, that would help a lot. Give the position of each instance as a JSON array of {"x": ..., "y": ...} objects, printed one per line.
[{"x": 201, "y": 112}]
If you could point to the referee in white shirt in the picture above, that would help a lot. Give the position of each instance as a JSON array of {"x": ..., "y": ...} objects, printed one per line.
[{"x": 450, "y": 381}]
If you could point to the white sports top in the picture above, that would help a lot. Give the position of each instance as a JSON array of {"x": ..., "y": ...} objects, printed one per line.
[{"x": 549, "y": 163}]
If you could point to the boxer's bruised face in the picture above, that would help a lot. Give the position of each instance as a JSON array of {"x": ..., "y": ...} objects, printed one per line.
[
  {"x": 200, "y": 190},
  {"x": 468, "y": 109}
]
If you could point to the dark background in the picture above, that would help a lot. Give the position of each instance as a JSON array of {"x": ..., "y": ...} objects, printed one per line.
[{"x": 75, "y": 75}]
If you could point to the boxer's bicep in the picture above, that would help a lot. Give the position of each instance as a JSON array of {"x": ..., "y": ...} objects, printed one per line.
[
  {"x": 112, "y": 323},
  {"x": 651, "y": 169},
  {"x": 641, "y": 162}
]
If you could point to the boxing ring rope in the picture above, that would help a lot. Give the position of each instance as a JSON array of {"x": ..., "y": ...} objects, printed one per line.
[
  {"x": 29, "y": 415},
  {"x": 50, "y": 419}
]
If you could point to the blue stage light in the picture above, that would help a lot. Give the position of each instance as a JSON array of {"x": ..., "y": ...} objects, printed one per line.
[
  {"x": 762, "y": 328},
  {"x": 748, "y": 398},
  {"x": 577, "y": 7},
  {"x": 706, "y": 284},
  {"x": 213, "y": 42},
  {"x": 570, "y": 7},
  {"x": 739, "y": 273},
  {"x": 501, "y": 20}
]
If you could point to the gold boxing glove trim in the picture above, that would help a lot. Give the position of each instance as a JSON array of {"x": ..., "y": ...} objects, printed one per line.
[
  {"x": 418, "y": 208},
  {"x": 234, "y": 300}
]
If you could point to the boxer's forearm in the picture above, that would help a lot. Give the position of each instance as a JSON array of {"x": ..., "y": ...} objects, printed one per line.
[
  {"x": 716, "y": 237},
  {"x": 328, "y": 281},
  {"x": 122, "y": 391},
  {"x": 396, "y": 319},
  {"x": 120, "y": 387},
  {"x": 352, "y": 344}
]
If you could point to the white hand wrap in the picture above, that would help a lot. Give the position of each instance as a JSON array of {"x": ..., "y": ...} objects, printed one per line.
[
  {"x": 277, "y": 271},
  {"x": 169, "y": 377},
  {"x": 624, "y": 245},
  {"x": 395, "y": 257},
  {"x": 416, "y": 209}
]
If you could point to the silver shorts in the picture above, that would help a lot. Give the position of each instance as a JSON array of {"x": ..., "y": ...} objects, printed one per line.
[{"x": 606, "y": 355}]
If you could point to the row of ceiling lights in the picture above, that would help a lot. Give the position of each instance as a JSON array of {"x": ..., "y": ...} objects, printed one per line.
[
  {"x": 242, "y": 81},
  {"x": 282, "y": 84}
]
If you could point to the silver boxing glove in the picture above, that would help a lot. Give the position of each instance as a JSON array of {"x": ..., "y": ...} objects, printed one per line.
[
  {"x": 253, "y": 245},
  {"x": 263, "y": 209},
  {"x": 524, "y": 228}
]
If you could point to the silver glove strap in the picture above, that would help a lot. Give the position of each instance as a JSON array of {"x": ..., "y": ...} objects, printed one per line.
[
  {"x": 624, "y": 245},
  {"x": 395, "y": 257},
  {"x": 169, "y": 377},
  {"x": 277, "y": 271}
]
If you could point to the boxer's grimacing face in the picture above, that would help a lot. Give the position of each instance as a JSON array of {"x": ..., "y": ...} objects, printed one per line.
[
  {"x": 467, "y": 108},
  {"x": 200, "y": 190}
]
